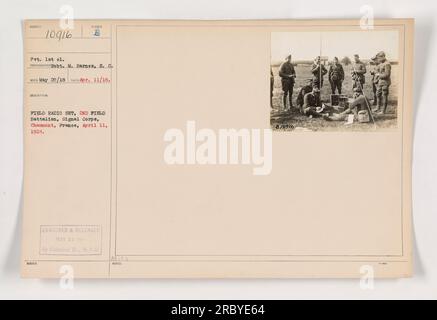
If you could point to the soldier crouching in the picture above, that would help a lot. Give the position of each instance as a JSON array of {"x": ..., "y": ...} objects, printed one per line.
[
  {"x": 311, "y": 104},
  {"x": 302, "y": 92}
]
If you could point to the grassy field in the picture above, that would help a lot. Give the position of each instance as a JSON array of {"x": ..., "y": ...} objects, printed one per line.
[{"x": 297, "y": 121}]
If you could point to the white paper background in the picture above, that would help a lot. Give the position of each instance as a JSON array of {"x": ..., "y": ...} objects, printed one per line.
[{"x": 422, "y": 285}]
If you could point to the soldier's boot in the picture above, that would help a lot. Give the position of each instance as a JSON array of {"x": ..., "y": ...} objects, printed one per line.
[
  {"x": 284, "y": 102},
  {"x": 375, "y": 104},
  {"x": 290, "y": 99},
  {"x": 379, "y": 104},
  {"x": 384, "y": 103}
]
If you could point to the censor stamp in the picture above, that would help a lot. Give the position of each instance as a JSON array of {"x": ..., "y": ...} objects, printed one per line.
[{"x": 70, "y": 240}]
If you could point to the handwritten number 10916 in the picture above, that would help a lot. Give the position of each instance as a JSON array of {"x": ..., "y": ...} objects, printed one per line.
[{"x": 58, "y": 34}]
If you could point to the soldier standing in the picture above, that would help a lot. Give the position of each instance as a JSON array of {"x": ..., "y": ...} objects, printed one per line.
[
  {"x": 375, "y": 79},
  {"x": 358, "y": 78},
  {"x": 287, "y": 74},
  {"x": 384, "y": 81},
  {"x": 318, "y": 70},
  {"x": 336, "y": 76}
]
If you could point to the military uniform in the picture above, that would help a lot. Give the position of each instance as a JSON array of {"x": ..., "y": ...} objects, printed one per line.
[
  {"x": 300, "y": 97},
  {"x": 287, "y": 74},
  {"x": 358, "y": 77},
  {"x": 315, "y": 70},
  {"x": 310, "y": 103},
  {"x": 336, "y": 77},
  {"x": 383, "y": 85},
  {"x": 354, "y": 107},
  {"x": 375, "y": 79}
]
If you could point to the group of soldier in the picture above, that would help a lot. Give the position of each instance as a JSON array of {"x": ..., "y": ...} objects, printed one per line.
[{"x": 308, "y": 99}]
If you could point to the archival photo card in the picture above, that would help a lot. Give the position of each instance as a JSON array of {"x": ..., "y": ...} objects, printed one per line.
[{"x": 151, "y": 150}]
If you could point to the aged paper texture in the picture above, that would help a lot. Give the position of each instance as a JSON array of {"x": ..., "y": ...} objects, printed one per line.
[{"x": 218, "y": 149}]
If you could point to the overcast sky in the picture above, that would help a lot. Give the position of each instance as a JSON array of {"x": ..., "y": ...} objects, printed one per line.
[{"x": 307, "y": 45}]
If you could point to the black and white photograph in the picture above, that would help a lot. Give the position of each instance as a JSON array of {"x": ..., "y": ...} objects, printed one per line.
[{"x": 334, "y": 80}]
